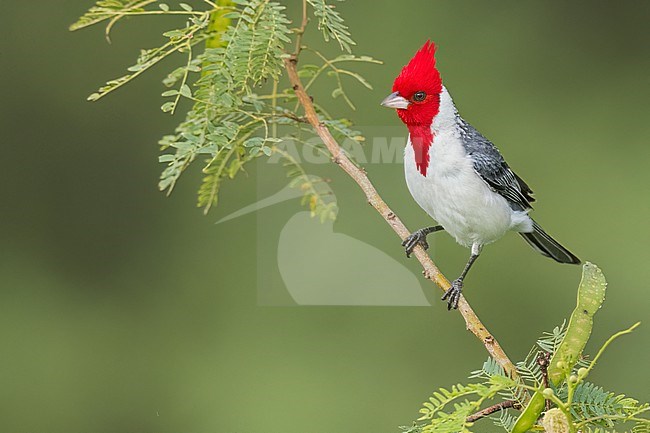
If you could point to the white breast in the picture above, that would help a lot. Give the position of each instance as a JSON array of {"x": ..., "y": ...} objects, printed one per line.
[{"x": 452, "y": 193}]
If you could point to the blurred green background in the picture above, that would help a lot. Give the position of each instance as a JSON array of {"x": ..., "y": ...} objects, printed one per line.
[{"x": 122, "y": 310}]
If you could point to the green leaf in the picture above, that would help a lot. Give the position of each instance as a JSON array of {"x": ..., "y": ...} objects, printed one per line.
[
  {"x": 254, "y": 142},
  {"x": 168, "y": 106},
  {"x": 166, "y": 158},
  {"x": 174, "y": 34},
  {"x": 186, "y": 91},
  {"x": 308, "y": 71}
]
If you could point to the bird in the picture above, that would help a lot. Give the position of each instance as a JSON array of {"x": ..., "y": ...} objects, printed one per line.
[{"x": 457, "y": 175}]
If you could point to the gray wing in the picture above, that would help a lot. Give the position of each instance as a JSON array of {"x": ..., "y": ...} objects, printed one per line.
[{"x": 493, "y": 169}]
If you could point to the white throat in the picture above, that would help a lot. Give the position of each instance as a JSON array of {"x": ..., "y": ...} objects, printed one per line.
[{"x": 446, "y": 117}]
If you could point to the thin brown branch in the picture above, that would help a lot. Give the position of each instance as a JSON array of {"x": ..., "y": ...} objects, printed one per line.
[
  {"x": 293, "y": 117},
  {"x": 491, "y": 409},
  {"x": 301, "y": 30},
  {"x": 431, "y": 271}
]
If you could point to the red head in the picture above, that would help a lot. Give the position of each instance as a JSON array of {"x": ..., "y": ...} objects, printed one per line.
[
  {"x": 416, "y": 96},
  {"x": 417, "y": 89}
]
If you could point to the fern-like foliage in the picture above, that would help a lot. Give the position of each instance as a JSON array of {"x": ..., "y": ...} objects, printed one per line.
[
  {"x": 641, "y": 427},
  {"x": 548, "y": 342},
  {"x": 109, "y": 10},
  {"x": 415, "y": 428},
  {"x": 593, "y": 402},
  {"x": 637, "y": 428},
  {"x": 506, "y": 420},
  {"x": 316, "y": 192},
  {"x": 254, "y": 46},
  {"x": 491, "y": 369},
  {"x": 592, "y": 408},
  {"x": 447, "y": 409},
  {"x": 331, "y": 24},
  {"x": 223, "y": 121},
  {"x": 232, "y": 68}
]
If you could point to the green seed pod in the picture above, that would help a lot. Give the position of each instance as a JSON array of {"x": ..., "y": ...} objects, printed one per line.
[{"x": 591, "y": 294}]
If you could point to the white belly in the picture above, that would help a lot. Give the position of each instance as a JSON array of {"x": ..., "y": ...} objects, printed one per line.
[{"x": 453, "y": 194}]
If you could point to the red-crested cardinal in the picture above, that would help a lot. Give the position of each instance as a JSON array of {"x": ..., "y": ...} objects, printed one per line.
[{"x": 458, "y": 176}]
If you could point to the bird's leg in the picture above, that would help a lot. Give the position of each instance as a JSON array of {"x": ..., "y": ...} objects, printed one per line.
[
  {"x": 452, "y": 295},
  {"x": 419, "y": 237}
]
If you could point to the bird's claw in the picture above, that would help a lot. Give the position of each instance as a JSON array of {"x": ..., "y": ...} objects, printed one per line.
[
  {"x": 452, "y": 295},
  {"x": 418, "y": 237}
]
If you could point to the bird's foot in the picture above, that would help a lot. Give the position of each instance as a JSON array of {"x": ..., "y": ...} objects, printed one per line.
[
  {"x": 452, "y": 295},
  {"x": 418, "y": 237}
]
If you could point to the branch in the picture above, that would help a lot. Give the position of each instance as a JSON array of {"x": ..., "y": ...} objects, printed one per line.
[
  {"x": 431, "y": 271},
  {"x": 491, "y": 409},
  {"x": 300, "y": 31}
]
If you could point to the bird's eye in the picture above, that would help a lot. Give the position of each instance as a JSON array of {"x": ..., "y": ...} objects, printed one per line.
[{"x": 419, "y": 96}]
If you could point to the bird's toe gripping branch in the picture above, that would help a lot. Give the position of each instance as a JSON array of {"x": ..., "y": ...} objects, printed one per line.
[
  {"x": 452, "y": 295},
  {"x": 419, "y": 237},
  {"x": 416, "y": 238}
]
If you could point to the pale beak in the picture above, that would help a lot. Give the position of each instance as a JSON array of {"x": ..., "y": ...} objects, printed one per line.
[{"x": 395, "y": 100}]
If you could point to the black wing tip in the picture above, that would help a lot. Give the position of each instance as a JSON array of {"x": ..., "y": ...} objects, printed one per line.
[
  {"x": 562, "y": 255},
  {"x": 573, "y": 260}
]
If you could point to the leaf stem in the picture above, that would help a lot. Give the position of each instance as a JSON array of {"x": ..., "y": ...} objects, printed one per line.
[
  {"x": 607, "y": 343},
  {"x": 274, "y": 103},
  {"x": 116, "y": 18},
  {"x": 185, "y": 75},
  {"x": 160, "y": 12}
]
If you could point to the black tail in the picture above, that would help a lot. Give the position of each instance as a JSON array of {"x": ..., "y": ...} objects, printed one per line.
[{"x": 548, "y": 246}]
